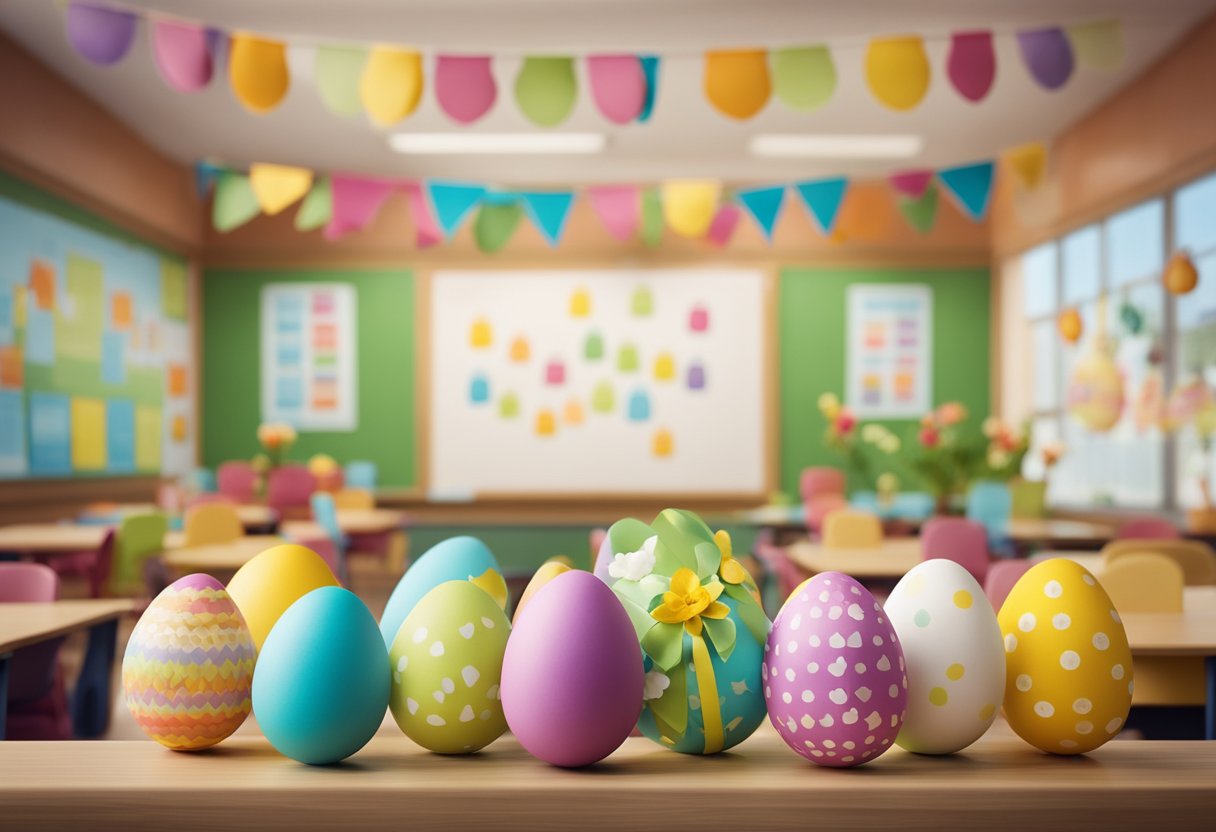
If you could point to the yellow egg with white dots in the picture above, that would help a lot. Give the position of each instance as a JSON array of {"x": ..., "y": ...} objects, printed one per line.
[{"x": 1068, "y": 665}]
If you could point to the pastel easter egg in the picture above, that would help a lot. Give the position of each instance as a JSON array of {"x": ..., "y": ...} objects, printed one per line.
[
  {"x": 272, "y": 581},
  {"x": 572, "y": 677},
  {"x": 322, "y": 681},
  {"x": 1068, "y": 673},
  {"x": 188, "y": 669},
  {"x": 447, "y": 667},
  {"x": 955, "y": 660},
  {"x": 834, "y": 674},
  {"x": 455, "y": 559},
  {"x": 548, "y": 570}
]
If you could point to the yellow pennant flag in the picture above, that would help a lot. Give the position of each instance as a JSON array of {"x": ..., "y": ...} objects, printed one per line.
[
  {"x": 391, "y": 85},
  {"x": 689, "y": 205},
  {"x": 897, "y": 71},
  {"x": 257, "y": 70},
  {"x": 1029, "y": 163},
  {"x": 277, "y": 186}
]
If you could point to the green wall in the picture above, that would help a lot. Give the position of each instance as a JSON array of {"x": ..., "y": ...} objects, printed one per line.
[
  {"x": 232, "y": 368},
  {"x": 812, "y": 326}
]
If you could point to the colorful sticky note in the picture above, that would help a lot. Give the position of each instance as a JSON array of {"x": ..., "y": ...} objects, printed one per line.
[
  {"x": 40, "y": 337},
  {"x": 12, "y": 367},
  {"x": 20, "y": 305},
  {"x": 580, "y": 303},
  {"x": 479, "y": 389},
  {"x": 897, "y": 71},
  {"x": 120, "y": 435},
  {"x": 664, "y": 367},
  {"x": 391, "y": 86},
  {"x": 663, "y": 445},
  {"x": 50, "y": 434},
  {"x": 121, "y": 313},
  {"x": 42, "y": 284},
  {"x": 336, "y": 71},
  {"x": 480, "y": 334},
  {"x": 698, "y": 318},
  {"x": 642, "y": 302},
  {"x": 88, "y": 434},
  {"x": 639, "y": 406},
  {"x": 278, "y": 186},
  {"x": 737, "y": 82},
  {"x": 464, "y": 86},
  {"x": 573, "y": 414},
  {"x": 696, "y": 376},
  {"x": 177, "y": 380},
  {"x": 804, "y": 77},
  {"x": 147, "y": 438},
  {"x": 173, "y": 288},
  {"x": 546, "y": 90},
  {"x": 689, "y": 205},
  {"x": 555, "y": 373},
  {"x": 179, "y": 432},
  {"x": 546, "y": 424},
  {"x": 593, "y": 347},
  {"x": 257, "y": 71},
  {"x": 7, "y": 334},
  {"x": 627, "y": 358},
  {"x": 113, "y": 358},
  {"x": 603, "y": 400},
  {"x": 508, "y": 406},
  {"x": 520, "y": 351},
  {"x": 12, "y": 433}
]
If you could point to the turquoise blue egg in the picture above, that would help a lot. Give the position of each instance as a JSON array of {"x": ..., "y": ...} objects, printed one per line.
[
  {"x": 455, "y": 559},
  {"x": 321, "y": 686},
  {"x": 740, "y": 692}
]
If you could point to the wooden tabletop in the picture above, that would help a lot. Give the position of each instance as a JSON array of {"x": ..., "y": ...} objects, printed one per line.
[
  {"x": 999, "y": 783},
  {"x": 892, "y": 559},
  {"x": 352, "y": 521},
  {"x": 219, "y": 558},
  {"x": 1191, "y": 632},
  {"x": 25, "y": 624},
  {"x": 50, "y": 538},
  {"x": 250, "y": 514},
  {"x": 1052, "y": 530}
]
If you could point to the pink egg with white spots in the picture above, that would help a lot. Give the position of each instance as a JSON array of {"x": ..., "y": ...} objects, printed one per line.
[{"x": 834, "y": 676}]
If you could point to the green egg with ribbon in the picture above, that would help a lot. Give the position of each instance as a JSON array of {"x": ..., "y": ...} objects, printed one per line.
[{"x": 699, "y": 622}]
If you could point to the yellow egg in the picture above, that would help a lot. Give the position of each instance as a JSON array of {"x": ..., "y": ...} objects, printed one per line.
[
  {"x": 548, "y": 570},
  {"x": 272, "y": 581},
  {"x": 1068, "y": 680},
  {"x": 1070, "y": 325},
  {"x": 1181, "y": 276}
]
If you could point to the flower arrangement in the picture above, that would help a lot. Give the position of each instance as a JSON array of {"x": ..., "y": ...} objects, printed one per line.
[
  {"x": 947, "y": 458},
  {"x": 1007, "y": 448},
  {"x": 844, "y": 436},
  {"x": 276, "y": 439}
]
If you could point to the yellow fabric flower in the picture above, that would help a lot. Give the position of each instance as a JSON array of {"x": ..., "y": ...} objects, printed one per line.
[
  {"x": 731, "y": 571},
  {"x": 687, "y": 601}
]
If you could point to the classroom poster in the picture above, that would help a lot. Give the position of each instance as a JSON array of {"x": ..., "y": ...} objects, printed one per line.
[
  {"x": 889, "y": 370},
  {"x": 309, "y": 356}
]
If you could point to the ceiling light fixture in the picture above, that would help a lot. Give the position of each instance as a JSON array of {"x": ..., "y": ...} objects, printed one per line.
[
  {"x": 794, "y": 146},
  {"x": 494, "y": 144}
]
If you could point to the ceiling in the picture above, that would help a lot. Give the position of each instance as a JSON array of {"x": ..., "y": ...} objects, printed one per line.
[{"x": 686, "y": 137}]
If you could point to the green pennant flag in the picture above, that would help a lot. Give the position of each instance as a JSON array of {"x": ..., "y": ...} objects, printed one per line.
[
  {"x": 495, "y": 225},
  {"x": 234, "y": 203},
  {"x": 316, "y": 207},
  {"x": 921, "y": 212},
  {"x": 652, "y": 218}
]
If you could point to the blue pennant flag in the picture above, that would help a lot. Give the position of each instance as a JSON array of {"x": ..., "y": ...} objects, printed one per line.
[
  {"x": 650, "y": 68},
  {"x": 971, "y": 185},
  {"x": 764, "y": 204},
  {"x": 452, "y": 202},
  {"x": 822, "y": 198},
  {"x": 548, "y": 210},
  {"x": 205, "y": 175}
]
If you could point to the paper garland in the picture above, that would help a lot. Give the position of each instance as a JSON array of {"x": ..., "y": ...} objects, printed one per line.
[{"x": 387, "y": 81}]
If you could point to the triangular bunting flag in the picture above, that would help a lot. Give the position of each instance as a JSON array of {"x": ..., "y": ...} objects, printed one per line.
[
  {"x": 205, "y": 175},
  {"x": 723, "y": 226},
  {"x": 451, "y": 202},
  {"x": 619, "y": 208},
  {"x": 426, "y": 231},
  {"x": 356, "y": 201},
  {"x": 317, "y": 207},
  {"x": 911, "y": 183},
  {"x": 822, "y": 198},
  {"x": 970, "y": 185},
  {"x": 548, "y": 211},
  {"x": 764, "y": 205},
  {"x": 234, "y": 203},
  {"x": 922, "y": 211},
  {"x": 1029, "y": 162},
  {"x": 650, "y": 68},
  {"x": 277, "y": 186}
]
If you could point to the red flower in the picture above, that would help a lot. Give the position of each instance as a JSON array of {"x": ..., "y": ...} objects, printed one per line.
[
  {"x": 845, "y": 422},
  {"x": 929, "y": 437}
]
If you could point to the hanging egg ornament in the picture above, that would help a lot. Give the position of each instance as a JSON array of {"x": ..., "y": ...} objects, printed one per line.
[
  {"x": 1095, "y": 392},
  {"x": 1070, "y": 326},
  {"x": 1181, "y": 276}
]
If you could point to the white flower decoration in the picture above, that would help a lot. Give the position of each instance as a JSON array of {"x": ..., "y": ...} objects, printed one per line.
[
  {"x": 633, "y": 566},
  {"x": 656, "y": 683}
]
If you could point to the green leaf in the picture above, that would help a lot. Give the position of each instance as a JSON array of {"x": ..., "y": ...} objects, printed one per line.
[
  {"x": 639, "y": 616},
  {"x": 628, "y": 535},
  {"x": 709, "y": 558},
  {"x": 679, "y": 536},
  {"x": 721, "y": 633},
  {"x": 664, "y": 643},
  {"x": 751, "y": 613},
  {"x": 671, "y": 709}
]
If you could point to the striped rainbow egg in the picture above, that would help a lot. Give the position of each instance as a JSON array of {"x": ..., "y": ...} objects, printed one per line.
[{"x": 187, "y": 674}]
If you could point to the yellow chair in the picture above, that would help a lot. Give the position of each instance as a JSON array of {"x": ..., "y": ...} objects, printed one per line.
[
  {"x": 849, "y": 529},
  {"x": 1196, "y": 558},
  {"x": 354, "y": 498},
  {"x": 1143, "y": 582},
  {"x": 212, "y": 523}
]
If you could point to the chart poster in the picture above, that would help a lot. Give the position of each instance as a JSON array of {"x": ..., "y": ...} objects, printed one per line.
[
  {"x": 309, "y": 356},
  {"x": 890, "y": 350}
]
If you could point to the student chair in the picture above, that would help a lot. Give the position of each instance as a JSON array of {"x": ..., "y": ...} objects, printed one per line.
[
  {"x": 354, "y": 498},
  {"x": 37, "y": 702},
  {"x": 212, "y": 523},
  {"x": 820, "y": 481},
  {"x": 1148, "y": 528},
  {"x": 1194, "y": 557},
  {"x": 361, "y": 474},
  {"x": 846, "y": 528},
  {"x": 1002, "y": 575},
  {"x": 325, "y": 514},
  {"x": 991, "y": 505},
  {"x": 200, "y": 481},
  {"x": 288, "y": 490},
  {"x": 1143, "y": 582},
  {"x": 817, "y": 508},
  {"x": 140, "y": 537},
  {"x": 963, "y": 541},
  {"x": 237, "y": 481},
  {"x": 780, "y": 575}
]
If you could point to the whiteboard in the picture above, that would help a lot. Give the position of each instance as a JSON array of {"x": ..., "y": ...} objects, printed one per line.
[{"x": 504, "y": 419}]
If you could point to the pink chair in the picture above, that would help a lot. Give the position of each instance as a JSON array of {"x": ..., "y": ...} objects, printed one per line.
[
  {"x": 1002, "y": 575},
  {"x": 821, "y": 481},
  {"x": 963, "y": 541},
  {"x": 289, "y": 490},
  {"x": 1148, "y": 528},
  {"x": 37, "y": 701},
  {"x": 820, "y": 506},
  {"x": 236, "y": 480}
]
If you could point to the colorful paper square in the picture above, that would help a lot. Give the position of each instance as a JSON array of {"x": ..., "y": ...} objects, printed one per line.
[
  {"x": 289, "y": 393},
  {"x": 177, "y": 380},
  {"x": 40, "y": 336},
  {"x": 147, "y": 438},
  {"x": 179, "y": 431},
  {"x": 12, "y": 433},
  {"x": 173, "y": 289},
  {"x": 122, "y": 313},
  {"x": 120, "y": 435},
  {"x": 88, "y": 434},
  {"x": 50, "y": 434},
  {"x": 42, "y": 284},
  {"x": 12, "y": 367},
  {"x": 114, "y": 358}
]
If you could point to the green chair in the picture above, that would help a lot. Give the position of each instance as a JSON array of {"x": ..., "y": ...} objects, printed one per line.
[{"x": 140, "y": 536}]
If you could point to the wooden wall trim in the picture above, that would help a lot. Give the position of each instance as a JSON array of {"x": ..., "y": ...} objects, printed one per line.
[{"x": 44, "y": 500}]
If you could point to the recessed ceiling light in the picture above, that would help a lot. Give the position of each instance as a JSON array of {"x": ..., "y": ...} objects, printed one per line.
[
  {"x": 789, "y": 146},
  {"x": 491, "y": 144}
]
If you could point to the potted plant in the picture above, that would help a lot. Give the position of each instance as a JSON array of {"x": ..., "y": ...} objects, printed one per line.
[{"x": 946, "y": 456}]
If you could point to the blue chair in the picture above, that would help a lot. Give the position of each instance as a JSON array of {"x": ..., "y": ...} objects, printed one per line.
[
  {"x": 991, "y": 504},
  {"x": 325, "y": 513},
  {"x": 361, "y": 474},
  {"x": 201, "y": 481},
  {"x": 915, "y": 505}
]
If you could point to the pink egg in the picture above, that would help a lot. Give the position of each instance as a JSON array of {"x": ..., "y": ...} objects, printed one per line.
[
  {"x": 572, "y": 676},
  {"x": 834, "y": 675}
]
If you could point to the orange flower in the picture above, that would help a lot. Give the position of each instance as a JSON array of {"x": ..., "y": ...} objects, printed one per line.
[{"x": 951, "y": 413}]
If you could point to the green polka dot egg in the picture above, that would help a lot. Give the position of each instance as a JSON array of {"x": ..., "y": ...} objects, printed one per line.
[
  {"x": 447, "y": 666},
  {"x": 955, "y": 662},
  {"x": 1068, "y": 665}
]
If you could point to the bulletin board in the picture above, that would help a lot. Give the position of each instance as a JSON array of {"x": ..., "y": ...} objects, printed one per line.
[
  {"x": 96, "y": 376},
  {"x": 580, "y": 383},
  {"x": 890, "y": 350}
]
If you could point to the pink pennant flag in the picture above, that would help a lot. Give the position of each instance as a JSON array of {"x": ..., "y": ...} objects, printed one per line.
[
  {"x": 723, "y": 226},
  {"x": 426, "y": 230},
  {"x": 356, "y": 201},
  {"x": 618, "y": 85},
  {"x": 619, "y": 208},
  {"x": 911, "y": 183}
]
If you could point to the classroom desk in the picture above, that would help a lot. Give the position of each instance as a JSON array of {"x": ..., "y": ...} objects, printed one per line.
[
  {"x": 1000, "y": 783},
  {"x": 353, "y": 521},
  {"x": 251, "y": 515},
  {"x": 1050, "y": 531},
  {"x": 219, "y": 559},
  {"x": 892, "y": 559},
  {"x": 50, "y": 538},
  {"x": 24, "y": 624}
]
